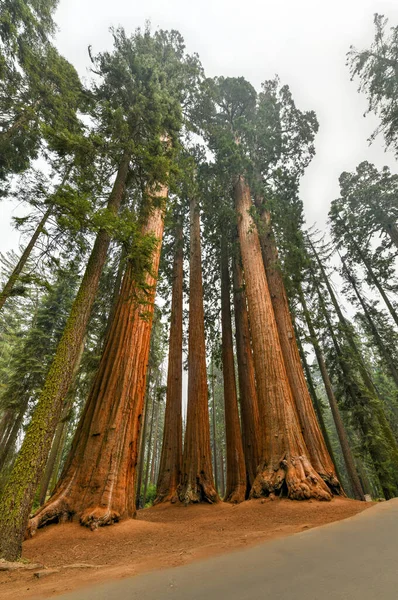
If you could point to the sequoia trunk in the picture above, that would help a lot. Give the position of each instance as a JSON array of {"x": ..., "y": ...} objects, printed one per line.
[
  {"x": 171, "y": 458},
  {"x": 318, "y": 452},
  {"x": 247, "y": 381},
  {"x": 197, "y": 478},
  {"x": 98, "y": 481},
  {"x": 286, "y": 465},
  {"x": 17, "y": 497},
  {"x": 236, "y": 471}
]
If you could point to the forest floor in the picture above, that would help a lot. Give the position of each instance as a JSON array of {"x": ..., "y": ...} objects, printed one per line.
[{"x": 160, "y": 537}]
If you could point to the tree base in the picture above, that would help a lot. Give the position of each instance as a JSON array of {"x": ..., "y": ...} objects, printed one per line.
[
  {"x": 98, "y": 517},
  {"x": 60, "y": 510},
  {"x": 201, "y": 492},
  {"x": 294, "y": 477},
  {"x": 171, "y": 497},
  {"x": 235, "y": 496}
]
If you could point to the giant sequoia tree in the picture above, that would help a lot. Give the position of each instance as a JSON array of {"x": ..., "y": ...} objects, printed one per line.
[{"x": 286, "y": 460}]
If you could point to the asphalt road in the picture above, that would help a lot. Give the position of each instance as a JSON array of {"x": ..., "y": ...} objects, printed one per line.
[{"x": 355, "y": 559}]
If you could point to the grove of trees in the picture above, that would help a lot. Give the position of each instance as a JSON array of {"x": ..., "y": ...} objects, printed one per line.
[{"x": 165, "y": 244}]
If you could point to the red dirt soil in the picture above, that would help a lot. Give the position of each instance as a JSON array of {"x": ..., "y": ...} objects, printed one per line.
[{"x": 162, "y": 536}]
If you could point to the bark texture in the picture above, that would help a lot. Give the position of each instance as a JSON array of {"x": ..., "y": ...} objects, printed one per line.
[
  {"x": 286, "y": 466},
  {"x": 236, "y": 470},
  {"x": 98, "y": 481},
  {"x": 17, "y": 497},
  {"x": 171, "y": 458},
  {"x": 318, "y": 452},
  {"x": 197, "y": 477},
  {"x": 247, "y": 380}
]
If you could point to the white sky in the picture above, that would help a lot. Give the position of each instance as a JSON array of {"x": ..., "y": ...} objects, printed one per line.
[{"x": 304, "y": 42}]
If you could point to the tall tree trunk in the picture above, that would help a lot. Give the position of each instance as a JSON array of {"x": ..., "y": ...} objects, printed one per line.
[
  {"x": 236, "y": 471},
  {"x": 214, "y": 428},
  {"x": 285, "y": 465},
  {"x": 247, "y": 381},
  {"x": 197, "y": 477},
  {"x": 171, "y": 457},
  {"x": 222, "y": 473},
  {"x": 341, "y": 432},
  {"x": 385, "y": 354},
  {"x": 318, "y": 452},
  {"x": 154, "y": 442},
  {"x": 149, "y": 451},
  {"x": 141, "y": 451},
  {"x": 59, "y": 436},
  {"x": 98, "y": 481},
  {"x": 17, "y": 497},
  {"x": 13, "y": 278}
]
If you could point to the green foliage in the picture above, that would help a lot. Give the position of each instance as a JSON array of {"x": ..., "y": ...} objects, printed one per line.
[{"x": 377, "y": 70}]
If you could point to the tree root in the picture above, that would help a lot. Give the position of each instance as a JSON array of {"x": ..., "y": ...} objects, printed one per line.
[
  {"x": 98, "y": 517},
  {"x": 57, "y": 511},
  {"x": 295, "y": 477}
]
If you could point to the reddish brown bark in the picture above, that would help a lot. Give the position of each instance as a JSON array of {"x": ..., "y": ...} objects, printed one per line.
[
  {"x": 197, "y": 475},
  {"x": 22, "y": 483},
  {"x": 98, "y": 480},
  {"x": 247, "y": 380},
  {"x": 171, "y": 458},
  {"x": 236, "y": 470},
  {"x": 318, "y": 452},
  {"x": 286, "y": 466}
]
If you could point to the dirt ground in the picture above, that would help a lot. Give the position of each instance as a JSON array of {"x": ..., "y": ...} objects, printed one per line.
[{"x": 161, "y": 537}]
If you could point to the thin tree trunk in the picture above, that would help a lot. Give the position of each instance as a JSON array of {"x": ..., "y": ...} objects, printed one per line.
[
  {"x": 13, "y": 278},
  {"x": 316, "y": 401},
  {"x": 171, "y": 457},
  {"x": 154, "y": 442},
  {"x": 236, "y": 471},
  {"x": 370, "y": 428},
  {"x": 214, "y": 422},
  {"x": 17, "y": 497},
  {"x": 247, "y": 381},
  {"x": 222, "y": 473},
  {"x": 141, "y": 452},
  {"x": 197, "y": 483},
  {"x": 285, "y": 465},
  {"x": 380, "y": 344},
  {"x": 98, "y": 480},
  {"x": 13, "y": 435},
  {"x": 361, "y": 365},
  {"x": 341, "y": 432},
  {"x": 318, "y": 452},
  {"x": 149, "y": 452}
]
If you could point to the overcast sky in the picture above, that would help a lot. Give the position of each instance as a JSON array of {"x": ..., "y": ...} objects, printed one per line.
[{"x": 304, "y": 42}]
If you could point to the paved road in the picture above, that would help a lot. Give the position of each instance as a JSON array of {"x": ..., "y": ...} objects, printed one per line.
[{"x": 355, "y": 559}]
